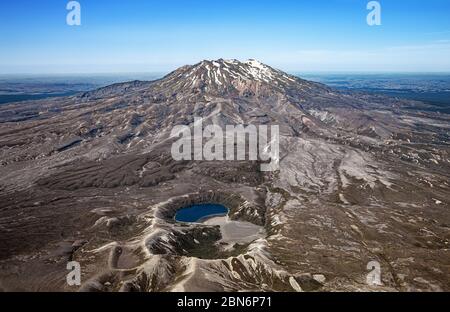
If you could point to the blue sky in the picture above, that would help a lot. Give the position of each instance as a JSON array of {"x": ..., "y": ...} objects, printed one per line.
[{"x": 158, "y": 36}]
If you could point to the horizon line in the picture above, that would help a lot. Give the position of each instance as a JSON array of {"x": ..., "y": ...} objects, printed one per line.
[{"x": 294, "y": 72}]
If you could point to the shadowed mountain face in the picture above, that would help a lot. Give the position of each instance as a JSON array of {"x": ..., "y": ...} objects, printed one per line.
[{"x": 90, "y": 178}]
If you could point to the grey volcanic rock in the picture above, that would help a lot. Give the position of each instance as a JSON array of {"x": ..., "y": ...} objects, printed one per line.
[{"x": 90, "y": 178}]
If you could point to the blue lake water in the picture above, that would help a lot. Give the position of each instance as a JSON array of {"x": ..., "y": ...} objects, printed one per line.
[{"x": 197, "y": 213}]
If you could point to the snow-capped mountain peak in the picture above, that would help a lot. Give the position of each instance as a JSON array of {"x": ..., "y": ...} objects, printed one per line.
[{"x": 222, "y": 75}]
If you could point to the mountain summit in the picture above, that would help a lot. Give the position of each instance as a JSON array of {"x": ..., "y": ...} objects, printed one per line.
[
  {"x": 215, "y": 77},
  {"x": 224, "y": 72},
  {"x": 228, "y": 76}
]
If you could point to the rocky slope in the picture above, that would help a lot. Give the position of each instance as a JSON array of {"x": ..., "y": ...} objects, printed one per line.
[{"x": 91, "y": 178}]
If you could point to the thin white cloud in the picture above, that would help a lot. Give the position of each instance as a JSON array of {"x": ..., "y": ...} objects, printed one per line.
[{"x": 428, "y": 57}]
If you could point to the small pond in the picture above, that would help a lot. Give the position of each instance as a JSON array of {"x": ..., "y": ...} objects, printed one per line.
[{"x": 200, "y": 213}]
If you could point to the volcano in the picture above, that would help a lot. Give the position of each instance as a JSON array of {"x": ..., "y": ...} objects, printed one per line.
[{"x": 90, "y": 178}]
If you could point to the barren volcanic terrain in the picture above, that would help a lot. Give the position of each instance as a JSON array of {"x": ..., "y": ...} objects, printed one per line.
[{"x": 91, "y": 178}]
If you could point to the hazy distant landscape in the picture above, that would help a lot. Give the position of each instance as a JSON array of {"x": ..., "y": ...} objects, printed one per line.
[
  {"x": 16, "y": 88},
  {"x": 433, "y": 89}
]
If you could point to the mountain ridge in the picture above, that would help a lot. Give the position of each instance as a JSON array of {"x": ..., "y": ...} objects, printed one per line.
[{"x": 216, "y": 77}]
